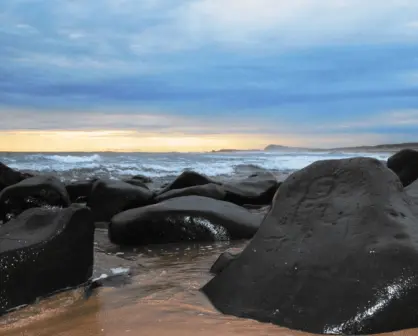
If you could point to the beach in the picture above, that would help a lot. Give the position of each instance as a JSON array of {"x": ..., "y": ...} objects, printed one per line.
[{"x": 160, "y": 292}]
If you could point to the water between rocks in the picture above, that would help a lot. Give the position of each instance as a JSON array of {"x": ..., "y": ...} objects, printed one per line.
[{"x": 161, "y": 298}]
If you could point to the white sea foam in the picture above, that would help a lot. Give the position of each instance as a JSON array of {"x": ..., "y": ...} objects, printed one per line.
[
  {"x": 74, "y": 166},
  {"x": 70, "y": 159}
]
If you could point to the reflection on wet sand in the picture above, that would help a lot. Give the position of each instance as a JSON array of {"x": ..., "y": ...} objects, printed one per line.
[{"x": 163, "y": 299}]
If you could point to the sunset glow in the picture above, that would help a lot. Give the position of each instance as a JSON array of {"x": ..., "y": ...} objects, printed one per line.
[{"x": 123, "y": 141}]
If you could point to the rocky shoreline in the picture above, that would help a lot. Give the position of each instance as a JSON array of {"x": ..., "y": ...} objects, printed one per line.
[{"x": 363, "y": 210}]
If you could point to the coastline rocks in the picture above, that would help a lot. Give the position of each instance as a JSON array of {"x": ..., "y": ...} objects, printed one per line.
[
  {"x": 210, "y": 190},
  {"x": 136, "y": 182},
  {"x": 224, "y": 260},
  {"x": 80, "y": 190},
  {"x": 43, "y": 251},
  {"x": 9, "y": 176},
  {"x": 110, "y": 197},
  {"x": 189, "y": 218},
  {"x": 142, "y": 178},
  {"x": 405, "y": 165},
  {"x": 30, "y": 193},
  {"x": 258, "y": 189},
  {"x": 187, "y": 179},
  {"x": 337, "y": 254}
]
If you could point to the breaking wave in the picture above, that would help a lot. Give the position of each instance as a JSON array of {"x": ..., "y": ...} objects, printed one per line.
[{"x": 164, "y": 166}]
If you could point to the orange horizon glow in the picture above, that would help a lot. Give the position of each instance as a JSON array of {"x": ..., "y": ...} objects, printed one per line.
[{"x": 125, "y": 141}]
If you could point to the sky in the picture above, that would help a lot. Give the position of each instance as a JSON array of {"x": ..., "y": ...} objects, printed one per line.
[{"x": 197, "y": 75}]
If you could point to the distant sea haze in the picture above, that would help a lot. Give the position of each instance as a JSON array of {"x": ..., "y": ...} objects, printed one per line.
[{"x": 164, "y": 167}]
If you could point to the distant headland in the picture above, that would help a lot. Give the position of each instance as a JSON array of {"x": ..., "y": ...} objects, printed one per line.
[{"x": 281, "y": 148}]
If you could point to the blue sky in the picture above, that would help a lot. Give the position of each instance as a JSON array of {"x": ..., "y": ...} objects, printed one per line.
[{"x": 313, "y": 72}]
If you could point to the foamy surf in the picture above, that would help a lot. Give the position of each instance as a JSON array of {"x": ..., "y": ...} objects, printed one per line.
[{"x": 71, "y": 167}]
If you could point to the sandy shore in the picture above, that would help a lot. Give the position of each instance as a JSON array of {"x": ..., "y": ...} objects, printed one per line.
[{"x": 163, "y": 299}]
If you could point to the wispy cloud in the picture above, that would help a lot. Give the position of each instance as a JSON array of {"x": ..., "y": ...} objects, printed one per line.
[{"x": 205, "y": 67}]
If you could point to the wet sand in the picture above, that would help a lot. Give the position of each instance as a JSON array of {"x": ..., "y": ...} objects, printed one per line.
[{"x": 163, "y": 298}]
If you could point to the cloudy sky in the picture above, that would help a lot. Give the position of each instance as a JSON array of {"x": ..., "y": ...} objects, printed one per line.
[{"x": 159, "y": 75}]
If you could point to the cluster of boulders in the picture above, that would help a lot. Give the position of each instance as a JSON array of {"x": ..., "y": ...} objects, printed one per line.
[
  {"x": 47, "y": 227},
  {"x": 336, "y": 252}
]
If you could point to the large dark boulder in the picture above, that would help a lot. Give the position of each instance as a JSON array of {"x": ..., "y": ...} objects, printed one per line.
[
  {"x": 43, "y": 251},
  {"x": 79, "y": 189},
  {"x": 31, "y": 193},
  {"x": 405, "y": 165},
  {"x": 9, "y": 176},
  {"x": 258, "y": 189},
  {"x": 337, "y": 253},
  {"x": 110, "y": 197},
  {"x": 210, "y": 190},
  {"x": 224, "y": 260},
  {"x": 189, "y": 218},
  {"x": 187, "y": 179}
]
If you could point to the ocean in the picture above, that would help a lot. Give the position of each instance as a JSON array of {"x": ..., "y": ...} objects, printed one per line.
[{"x": 162, "y": 167}]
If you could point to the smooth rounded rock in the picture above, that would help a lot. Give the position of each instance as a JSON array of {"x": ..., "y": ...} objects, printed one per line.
[
  {"x": 336, "y": 254},
  {"x": 110, "y": 197},
  {"x": 30, "y": 193},
  {"x": 136, "y": 182},
  {"x": 189, "y": 218},
  {"x": 79, "y": 190},
  {"x": 9, "y": 176},
  {"x": 210, "y": 190},
  {"x": 405, "y": 165},
  {"x": 187, "y": 179},
  {"x": 258, "y": 189},
  {"x": 43, "y": 251}
]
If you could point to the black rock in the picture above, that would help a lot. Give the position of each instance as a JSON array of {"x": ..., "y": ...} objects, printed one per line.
[
  {"x": 9, "y": 176},
  {"x": 210, "y": 190},
  {"x": 80, "y": 190},
  {"x": 44, "y": 251},
  {"x": 412, "y": 190},
  {"x": 258, "y": 189},
  {"x": 187, "y": 179},
  {"x": 31, "y": 193},
  {"x": 224, "y": 260},
  {"x": 81, "y": 200},
  {"x": 189, "y": 218},
  {"x": 142, "y": 178},
  {"x": 110, "y": 197},
  {"x": 337, "y": 253},
  {"x": 405, "y": 165},
  {"x": 135, "y": 182}
]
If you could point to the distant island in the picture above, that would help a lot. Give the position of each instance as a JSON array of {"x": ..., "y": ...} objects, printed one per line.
[
  {"x": 235, "y": 150},
  {"x": 281, "y": 148},
  {"x": 379, "y": 148}
]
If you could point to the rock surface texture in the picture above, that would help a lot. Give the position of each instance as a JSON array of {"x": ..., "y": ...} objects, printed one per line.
[
  {"x": 9, "y": 176},
  {"x": 337, "y": 254},
  {"x": 80, "y": 189},
  {"x": 405, "y": 165},
  {"x": 44, "y": 251},
  {"x": 210, "y": 190},
  {"x": 189, "y": 218},
  {"x": 110, "y": 197},
  {"x": 258, "y": 189},
  {"x": 30, "y": 193},
  {"x": 224, "y": 260},
  {"x": 187, "y": 179}
]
